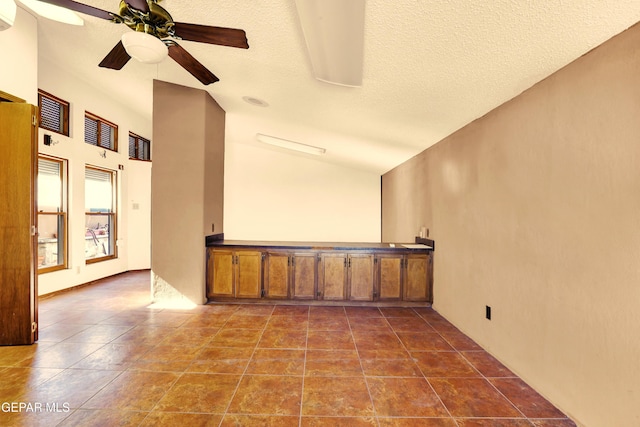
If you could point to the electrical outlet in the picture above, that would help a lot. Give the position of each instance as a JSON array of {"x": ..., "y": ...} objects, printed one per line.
[{"x": 488, "y": 312}]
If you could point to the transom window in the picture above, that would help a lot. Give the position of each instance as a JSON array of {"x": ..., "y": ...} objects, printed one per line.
[
  {"x": 100, "y": 132},
  {"x": 54, "y": 113},
  {"x": 139, "y": 147}
]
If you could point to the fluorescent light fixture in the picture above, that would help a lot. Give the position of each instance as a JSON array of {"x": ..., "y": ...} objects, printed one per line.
[
  {"x": 53, "y": 12},
  {"x": 8, "y": 10},
  {"x": 144, "y": 47},
  {"x": 334, "y": 32},
  {"x": 290, "y": 145}
]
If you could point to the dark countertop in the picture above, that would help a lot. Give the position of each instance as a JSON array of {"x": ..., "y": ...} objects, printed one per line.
[{"x": 424, "y": 245}]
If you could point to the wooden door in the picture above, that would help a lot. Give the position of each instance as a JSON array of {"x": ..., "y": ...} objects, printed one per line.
[
  {"x": 416, "y": 287},
  {"x": 333, "y": 276},
  {"x": 220, "y": 266},
  {"x": 276, "y": 275},
  {"x": 389, "y": 271},
  {"x": 361, "y": 277},
  {"x": 18, "y": 224},
  {"x": 304, "y": 267},
  {"x": 248, "y": 279}
]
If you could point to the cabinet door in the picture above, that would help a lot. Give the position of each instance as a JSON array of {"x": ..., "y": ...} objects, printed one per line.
[
  {"x": 361, "y": 277},
  {"x": 248, "y": 278},
  {"x": 416, "y": 280},
  {"x": 304, "y": 268},
  {"x": 220, "y": 273},
  {"x": 276, "y": 275},
  {"x": 390, "y": 277},
  {"x": 18, "y": 239},
  {"x": 333, "y": 276}
]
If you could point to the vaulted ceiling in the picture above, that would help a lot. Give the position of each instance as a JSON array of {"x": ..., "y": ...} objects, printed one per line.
[{"x": 430, "y": 67}]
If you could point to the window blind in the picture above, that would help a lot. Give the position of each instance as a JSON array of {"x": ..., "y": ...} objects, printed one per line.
[
  {"x": 97, "y": 175},
  {"x": 51, "y": 114},
  {"x": 48, "y": 167},
  {"x": 90, "y": 131}
]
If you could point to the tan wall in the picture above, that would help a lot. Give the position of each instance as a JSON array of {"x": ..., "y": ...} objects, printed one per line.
[
  {"x": 185, "y": 143},
  {"x": 19, "y": 47},
  {"x": 535, "y": 209},
  {"x": 214, "y": 170}
]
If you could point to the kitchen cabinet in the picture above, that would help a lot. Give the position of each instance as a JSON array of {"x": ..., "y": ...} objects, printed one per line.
[
  {"x": 290, "y": 275},
  {"x": 346, "y": 276},
  {"x": 277, "y": 275},
  {"x": 234, "y": 274},
  {"x": 323, "y": 273},
  {"x": 304, "y": 275},
  {"x": 360, "y": 277},
  {"x": 389, "y": 271},
  {"x": 417, "y": 277},
  {"x": 332, "y": 277}
]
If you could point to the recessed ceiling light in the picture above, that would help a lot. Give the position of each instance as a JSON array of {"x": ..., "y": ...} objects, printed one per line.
[{"x": 255, "y": 101}]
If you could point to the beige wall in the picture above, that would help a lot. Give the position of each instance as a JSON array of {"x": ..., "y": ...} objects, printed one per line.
[
  {"x": 273, "y": 195},
  {"x": 133, "y": 181},
  {"x": 214, "y": 170},
  {"x": 535, "y": 209},
  {"x": 19, "y": 47},
  {"x": 184, "y": 150}
]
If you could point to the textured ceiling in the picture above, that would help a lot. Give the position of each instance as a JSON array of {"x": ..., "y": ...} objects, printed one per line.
[{"x": 430, "y": 67}]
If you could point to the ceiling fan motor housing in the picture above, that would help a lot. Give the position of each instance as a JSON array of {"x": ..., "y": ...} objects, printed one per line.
[{"x": 157, "y": 21}]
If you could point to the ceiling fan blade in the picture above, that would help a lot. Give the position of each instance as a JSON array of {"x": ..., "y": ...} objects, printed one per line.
[
  {"x": 138, "y": 5},
  {"x": 214, "y": 35},
  {"x": 82, "y": 8},
  {"x": 191, "y": 64},
  {"x": 117, "y": 58}
]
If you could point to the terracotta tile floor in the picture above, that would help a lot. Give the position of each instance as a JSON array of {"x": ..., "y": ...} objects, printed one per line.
[{"x": 105, "y": 358}]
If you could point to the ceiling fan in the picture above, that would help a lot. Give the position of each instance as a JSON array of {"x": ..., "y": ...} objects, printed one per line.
[{"x": 153, "y": 23}]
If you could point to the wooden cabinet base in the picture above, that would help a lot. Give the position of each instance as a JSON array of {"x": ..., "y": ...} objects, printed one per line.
[{"x": 319, "y": 274}]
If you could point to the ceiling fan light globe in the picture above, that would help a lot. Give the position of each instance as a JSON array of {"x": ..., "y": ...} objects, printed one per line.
[{"x": 144, "y": 47}]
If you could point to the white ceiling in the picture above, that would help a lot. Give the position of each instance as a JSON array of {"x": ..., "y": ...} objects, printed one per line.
[{"x": 430, "y": 67}]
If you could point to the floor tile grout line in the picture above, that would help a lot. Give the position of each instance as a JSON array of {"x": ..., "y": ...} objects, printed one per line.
[
  {"x": 304, "y": 366},
  {"x": 459, "y": 352},
  {"x": 366, "y": 382},
  {"x": 233, "y": 395},
  {"x": 424, "y": 376},
  {"x": 176, "y": 380}
]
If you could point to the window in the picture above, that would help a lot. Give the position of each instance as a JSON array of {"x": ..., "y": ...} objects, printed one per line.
[
  {"x": 139, "y": 148},
  {"x": 100, "y": 132},
  {"x": 52, "y": 217},
  {"x": 54, "y": 113},
  {"x": 100, "y": 214}
]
